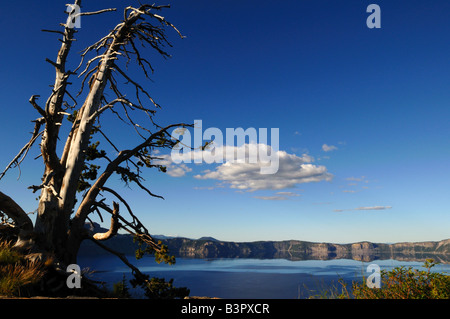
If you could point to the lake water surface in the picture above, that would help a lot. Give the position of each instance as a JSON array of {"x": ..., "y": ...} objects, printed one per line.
[{"x": 238, "y": 278}]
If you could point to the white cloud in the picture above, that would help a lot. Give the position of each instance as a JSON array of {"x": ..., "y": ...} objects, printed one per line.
[
  {"x": 202, "y": 188},
  {"x": 364, "y": 208},
  {"x": 271, "y": 197},
  {"x": 174, "y": 170},
  {"x": 264, "y": 155},
  {"x": 374, "y": 208},
  {"x": 244, "y": 172},
  {"x": 356, "y": 179},
  {"x": 290, "y": 194},
  {"x": 178, "y": 171},
  {"x": 246, "y": 176},
  {"x": 279, "y": 196},
  {"x": 328, "y": 148}
]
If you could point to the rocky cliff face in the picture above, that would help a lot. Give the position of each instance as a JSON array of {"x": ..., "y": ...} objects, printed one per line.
[
  {"x": 290, "y": 249},
  {"x": 364, "y": 251}
]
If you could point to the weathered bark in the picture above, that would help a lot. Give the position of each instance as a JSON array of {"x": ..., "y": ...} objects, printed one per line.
[
  {"x": 80, "y": 142},
  {"x": 52, "y": 223},
  {"x": 21, "y": 221},
  {"x": 15, "y": 212}
]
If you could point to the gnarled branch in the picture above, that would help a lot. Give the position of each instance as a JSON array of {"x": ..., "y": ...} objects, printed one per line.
[
  {"x": 9, "y": 207},
  {"x": 84, "y": 208},
  {"x": 122, "y": 257},
  {"x": 114, "y": 225},
  {"x": 24, "y": 151}
]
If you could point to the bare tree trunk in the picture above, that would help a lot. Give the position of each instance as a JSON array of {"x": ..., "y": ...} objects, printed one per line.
[
  {"x": 51, "y": 222},
  {"x": 60, "y": 225},
  {"x": 78, "y": 144}
]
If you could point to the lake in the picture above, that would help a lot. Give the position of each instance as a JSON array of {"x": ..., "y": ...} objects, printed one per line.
[{"x": 239, "y": 278}]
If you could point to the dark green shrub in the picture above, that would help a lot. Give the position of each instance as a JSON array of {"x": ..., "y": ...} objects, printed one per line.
[
  {"x": 120, "y": 289},
  {"x": 407, "y": 283}
]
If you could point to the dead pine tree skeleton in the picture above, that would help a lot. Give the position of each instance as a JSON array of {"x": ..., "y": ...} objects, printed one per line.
[{"x": 72, "y": 185}]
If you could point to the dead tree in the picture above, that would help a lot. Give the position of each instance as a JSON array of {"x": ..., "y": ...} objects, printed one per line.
[{"x": 73, "y": 185}]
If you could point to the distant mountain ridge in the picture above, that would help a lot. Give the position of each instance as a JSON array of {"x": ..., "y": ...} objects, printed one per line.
[
  {"x": 303, "y": 250},
  {"x": 209, "y": 247}
]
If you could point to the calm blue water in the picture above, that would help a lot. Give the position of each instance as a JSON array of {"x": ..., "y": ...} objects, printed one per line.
[{"x": 245, "y": 278}]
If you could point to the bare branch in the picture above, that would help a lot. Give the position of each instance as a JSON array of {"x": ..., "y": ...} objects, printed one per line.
[
  {"x": 93, "y": 117},
  {"x": 135, "y": 219},
  {"x": 99, "y": 214},
  {"x": 74, "y": 101},
  {"x": 140, "y": 59},
  {"x": 137, "y": 85},
  {"x": 44, "y": 183},
  {"x": 26, "y": 148},
  {"x": 108, "y": 140},
  {"x": 52, "y": 189},
  {"x": 135, "y": 178},
  {"x": 88, "y": 64},
  {"x": 56, "y": 65},
  {"x": 114, "y": 225},
  {"x": 84, "y": 208},
  {"x": 32, "y": 100},
  {"x": 136, "y": 228},
  {"x": 85, "y": 77},
  {"x": 54, "y": 31},
  {"x": 15, "y": 212},
  {"x": 122, "y": 257},
  {"x": 96, "y": 12},
  {"x": 164, "y": 21}
]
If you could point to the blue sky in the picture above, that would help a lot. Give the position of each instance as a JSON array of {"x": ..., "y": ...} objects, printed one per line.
[{"x": 371, "y": 106}]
